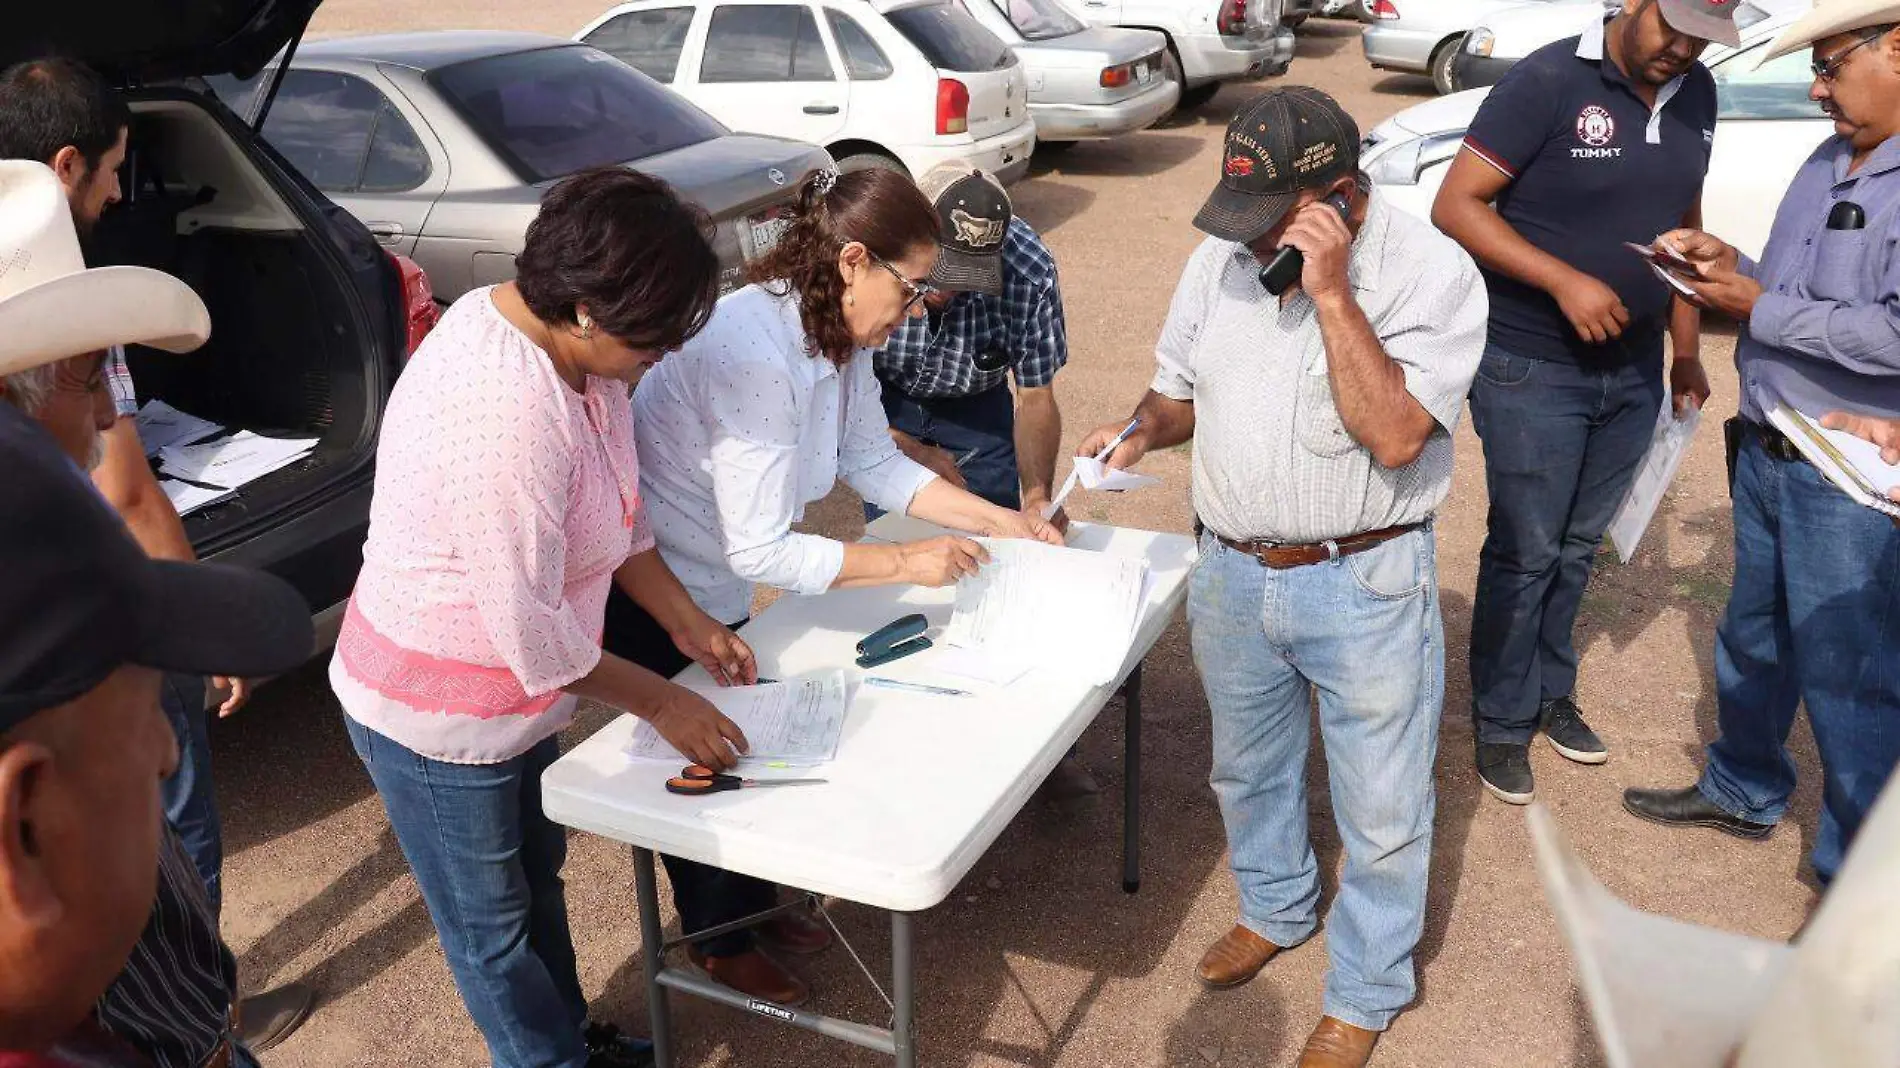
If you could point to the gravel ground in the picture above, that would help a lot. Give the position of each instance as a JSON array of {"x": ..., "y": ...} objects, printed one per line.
[{"x": 1039, "y": 959}]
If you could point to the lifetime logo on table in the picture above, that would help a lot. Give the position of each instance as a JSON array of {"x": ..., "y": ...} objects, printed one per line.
[
  {"x": 776, "y": 1012},
  {"x": 1596, "y": 129}
]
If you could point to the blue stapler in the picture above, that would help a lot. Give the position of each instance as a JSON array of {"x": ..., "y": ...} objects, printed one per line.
[{"x": 896, "y": 639}]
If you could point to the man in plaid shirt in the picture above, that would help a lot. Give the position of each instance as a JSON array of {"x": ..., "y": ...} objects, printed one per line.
[{"x": 997, "y": 312}]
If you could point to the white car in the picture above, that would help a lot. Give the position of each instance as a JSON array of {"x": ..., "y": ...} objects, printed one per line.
[
  {"x": 1424, "y": 36},
  {"x": 1209, "y": 41},
  {"x": 1085, "y": 82},
  {"x": 1766, "y": 126},
  {"x": 902, "y": 84},
  {"x": 1509, "y": 35}
]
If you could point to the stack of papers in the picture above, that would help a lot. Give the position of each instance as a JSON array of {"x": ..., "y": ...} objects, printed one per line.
[
  {"x": 1070, "y": 611},
  {"x": 161, "y": 425},
  {"x": 1852, "y": 464},
  {"x": 1666, "y": 448},
  {"x": 196, "y": 475},
  {"x": 796, "y": 722}
]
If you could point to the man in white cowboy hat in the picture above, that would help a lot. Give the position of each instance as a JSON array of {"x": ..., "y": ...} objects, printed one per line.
[{"x": 1810, "y": 620}]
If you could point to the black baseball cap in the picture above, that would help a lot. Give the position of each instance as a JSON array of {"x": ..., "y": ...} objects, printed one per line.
[
  {"x": 80, "y": 599},
  {"x": 973, "y": 215},
  {"x": 1287, "y": 140}
]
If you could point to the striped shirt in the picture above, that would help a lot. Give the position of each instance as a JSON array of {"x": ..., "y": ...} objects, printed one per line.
[
  {"x": 1022, "y": 331},
  {"x": 1272, "y": 460},
  {"x": 172, "y": 1002}
]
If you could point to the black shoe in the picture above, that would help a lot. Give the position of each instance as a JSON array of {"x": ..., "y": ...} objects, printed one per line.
[
  {"x": 608, "y": 1048},
  {"x": 1688, "y": 808},
  {"x": 1505, "y": 770},
  {"x": 1567, "y": 733},
  {"x": 266, "y": 1019}
]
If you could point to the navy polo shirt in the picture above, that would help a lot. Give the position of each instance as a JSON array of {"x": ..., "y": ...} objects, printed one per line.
[{"x": 1591, "y": 166}]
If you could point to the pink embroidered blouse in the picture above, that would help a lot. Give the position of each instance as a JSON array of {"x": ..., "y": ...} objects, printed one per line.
[{"x": 504, "y": 502}]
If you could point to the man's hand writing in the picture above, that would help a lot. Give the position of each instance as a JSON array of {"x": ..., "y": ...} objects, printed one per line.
[
  {"x": 1705, "y": 250},
  {"x": 1727, "y": 291},
  {"x": 1127, "y": 454}
]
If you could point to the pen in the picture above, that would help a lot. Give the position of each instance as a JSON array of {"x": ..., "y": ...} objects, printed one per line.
[
  {"x": 914, "y": 687},
  {"x": 967, "y": 457},
  {"x": 1119, "y": 438}
]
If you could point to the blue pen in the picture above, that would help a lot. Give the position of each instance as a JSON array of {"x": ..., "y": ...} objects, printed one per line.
[{"x": 914, "y": 687}]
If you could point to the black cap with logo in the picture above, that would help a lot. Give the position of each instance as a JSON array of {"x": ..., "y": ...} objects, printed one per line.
[
  {"x": 973, "y": 216},
  {"x": 81, "y": 599},
  {"x": 1287, "y": 140}
]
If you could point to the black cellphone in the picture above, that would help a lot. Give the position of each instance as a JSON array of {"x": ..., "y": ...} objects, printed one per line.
[
  {"x": 1284, "y": 268},
  {"x": 1847, "y": 215}
]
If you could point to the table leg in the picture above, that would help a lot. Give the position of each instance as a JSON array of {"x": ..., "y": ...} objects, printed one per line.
[
  {"x": 903, "y": 1024},
  {"x": 647, "y": 894},
  {"x": 1131, "y": 783}
]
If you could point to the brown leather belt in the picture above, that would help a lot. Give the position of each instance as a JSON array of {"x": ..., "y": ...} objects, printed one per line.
[
  {"x": 1280, "y": 556},
  {"x": 1774, "y": 442}
]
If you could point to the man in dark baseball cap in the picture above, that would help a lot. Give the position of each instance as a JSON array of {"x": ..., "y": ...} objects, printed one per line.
[
  {"x": 91, "y": 622},
  {"x": 1289, "y": 141}
]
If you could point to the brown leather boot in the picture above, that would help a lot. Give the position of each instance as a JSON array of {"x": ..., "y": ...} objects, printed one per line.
[
  {"x": 1236, "y": 958},
  {"x": 755, "y": 975},
  {"x": 796, "y": 932},
  {"x": 1338, "y": 1044}
]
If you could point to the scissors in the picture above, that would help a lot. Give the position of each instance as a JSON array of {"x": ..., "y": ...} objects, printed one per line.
[{"x": 700, "y": 779}]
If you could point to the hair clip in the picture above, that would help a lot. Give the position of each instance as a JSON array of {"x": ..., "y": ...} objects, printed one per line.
[{"x": 824, "y": 181}]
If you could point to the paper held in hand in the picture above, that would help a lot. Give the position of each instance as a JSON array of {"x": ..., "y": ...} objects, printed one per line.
[
  {"x": 1852, "y": 464},
  {"x": 1067, "y": 611},
  {"x": 1095, "y": 475},
  {"x": 796, "y": 722},
  {"x": 1666, "y": 449}
]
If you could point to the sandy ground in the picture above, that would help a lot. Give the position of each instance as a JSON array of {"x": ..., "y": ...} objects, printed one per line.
[{"x": 1038, "y": 959}]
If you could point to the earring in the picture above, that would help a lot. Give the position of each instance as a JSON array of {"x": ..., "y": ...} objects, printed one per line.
[
  {"x": 850, "y": 299},
  {"x": 587, "y": 328}
]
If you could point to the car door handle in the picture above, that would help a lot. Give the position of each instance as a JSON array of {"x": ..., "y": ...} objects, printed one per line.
[
  {"x": 821, "y": 109},
  {"x": 387, "y": 233}
]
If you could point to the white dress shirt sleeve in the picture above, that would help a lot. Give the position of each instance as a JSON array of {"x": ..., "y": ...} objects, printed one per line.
[
  {"x": 1439, "y": 339},
  {"x": 1174, "y": 352},
  {"x": 868, "y": 460},
  {"x": 753, "y": 421}
]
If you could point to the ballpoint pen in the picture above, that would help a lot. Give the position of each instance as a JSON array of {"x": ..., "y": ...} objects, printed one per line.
[
  {"x": 914, "y": 687},
  {"x": 1109, "y": 450}
]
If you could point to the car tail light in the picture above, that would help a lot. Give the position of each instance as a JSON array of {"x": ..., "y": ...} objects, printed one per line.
[
  {"x": 1116, "y": 77},
  {"x": 1384, "y": 9},
  {"x": 953, "y": 106},
  {"x": 418, "y": 302},
  {"x": 1233, "y": 18}
]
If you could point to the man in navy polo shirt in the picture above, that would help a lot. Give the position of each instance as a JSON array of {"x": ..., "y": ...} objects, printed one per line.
[{"x": 1586, "y": 144}]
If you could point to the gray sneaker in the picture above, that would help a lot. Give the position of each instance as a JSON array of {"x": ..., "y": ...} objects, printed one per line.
[
  {"x": 1505, "y": 770},
  {"x": 1567, "y": 733}
]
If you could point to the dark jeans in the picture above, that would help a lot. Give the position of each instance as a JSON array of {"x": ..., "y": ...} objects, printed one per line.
[
  {"x": 488, "y": 861},
  {"x": 187, "y": 795},
  {"x": 1561, "y": 446},
  {"x": 705, "y": 896},
  {"x": 979, "y": 431},
  {"x": 1814, "y": 619}
]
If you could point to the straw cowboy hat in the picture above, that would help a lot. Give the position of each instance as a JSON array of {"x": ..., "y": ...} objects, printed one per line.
[
  {"x": 53, "y": 306},
  {"x": 1669, "y": 994},
  {"x": 1831, "y": 17}
]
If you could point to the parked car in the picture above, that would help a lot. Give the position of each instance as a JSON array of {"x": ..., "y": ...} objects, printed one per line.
[
  {"x": 905, "y": 84},
  {"x": 1343, "y": 9},
  {"x": 1509, "y": 35},
  {"x": 443, "y": 143},
  {"x": 1210, "y": 42},
  {"x": 1297, "y": 12},
  {"x": 1424, "y": 36},
  {"x": 310, "y": 317},
  {"x": 1766, "y": 127},
  {"x": 1084, "y": 81}
]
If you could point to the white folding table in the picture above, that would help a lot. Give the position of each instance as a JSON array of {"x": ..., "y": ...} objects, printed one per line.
[{"x": 920, "y": 787}]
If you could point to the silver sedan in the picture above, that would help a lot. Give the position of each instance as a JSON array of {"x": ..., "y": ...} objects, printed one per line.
[
  {"x": 443, "y": 143},
  {"x": 1424, "y": 36},
  {"x": 1084, "y": 82}
]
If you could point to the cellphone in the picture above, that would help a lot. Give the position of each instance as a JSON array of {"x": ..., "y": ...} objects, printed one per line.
[{"x": 1284, "y": 268}]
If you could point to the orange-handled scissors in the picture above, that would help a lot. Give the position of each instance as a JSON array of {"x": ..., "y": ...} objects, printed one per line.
[{"x": 700, "y": 779}]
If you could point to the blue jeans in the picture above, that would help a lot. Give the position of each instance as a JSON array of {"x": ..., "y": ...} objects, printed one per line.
[
  {"x": 488, "y": 861},
  {"x": 187, "y": 795},
  {"x": 979, "y": 431},
  {"x": 1561, "y": 447},
  {"x": 1814, "y": 619},
  {"x": 1363, "y": 632}
]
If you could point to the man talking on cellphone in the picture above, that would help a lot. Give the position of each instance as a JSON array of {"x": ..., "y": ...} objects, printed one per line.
[{"x": 1321, "y": 418}]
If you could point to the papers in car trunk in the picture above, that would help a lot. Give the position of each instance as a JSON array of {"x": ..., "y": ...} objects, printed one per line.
[{"x": 199, "y": 465}]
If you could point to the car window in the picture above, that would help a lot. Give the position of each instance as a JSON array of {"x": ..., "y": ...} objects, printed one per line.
[
  {"x": 649, "y": 41},
  {"x": 1038, "y": 20},
  {"x": 397, "y": 161},
  {"x": 1776, "y": 90},
  {"x": 764, "y": 43},
  {"x": 863, "y": 59},
  {"x": 554, "y": 111},
  {"x": 950, "y": 37},
  {"x": 322, "y": 123},
  {"x": 238, "y": 94}
]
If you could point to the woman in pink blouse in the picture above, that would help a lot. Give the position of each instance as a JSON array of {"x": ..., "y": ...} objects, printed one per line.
[{"x": 506, "y": 505}]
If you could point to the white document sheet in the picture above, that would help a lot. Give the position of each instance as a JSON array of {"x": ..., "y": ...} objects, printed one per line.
[
  {"x": 1666, "y": 448},
  {"x": 161, "y": 425},
  {"x": 1071, "y": 611},
  {"x": 796, "y": 722},
  {"x": 242, "y": 458},
  {"x": 187, "y": 498},
  {"x": 1093, "y": 474},
  {"x": 1852, "y": 464},
  {"x": 987, "y": 665}
]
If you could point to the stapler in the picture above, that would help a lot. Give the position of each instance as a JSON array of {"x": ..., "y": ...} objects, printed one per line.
[{"x": 894, "y": 640}]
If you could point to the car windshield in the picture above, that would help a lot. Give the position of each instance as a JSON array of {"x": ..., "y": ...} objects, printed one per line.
[
  {"x": 554, "y": 111},
  {"x": 1040, "y": 20},
  {"x": 951, "y": 38}
]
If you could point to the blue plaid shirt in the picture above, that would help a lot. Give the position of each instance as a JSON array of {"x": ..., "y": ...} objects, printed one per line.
[{"x": 1025, "y": 324}]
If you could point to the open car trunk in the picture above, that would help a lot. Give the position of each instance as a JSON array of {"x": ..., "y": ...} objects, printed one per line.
[{"x": 300, "y": 346}]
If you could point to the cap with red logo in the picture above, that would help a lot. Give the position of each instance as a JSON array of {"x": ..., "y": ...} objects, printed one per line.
[
  {"x": 1711, "y": 20},
  {"x": 1287, "y": 140}
]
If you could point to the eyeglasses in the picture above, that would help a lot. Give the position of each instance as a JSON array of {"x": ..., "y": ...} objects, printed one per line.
[
  {"x": 1826, "y": 69},
  {"x": 918, "y": 291}
]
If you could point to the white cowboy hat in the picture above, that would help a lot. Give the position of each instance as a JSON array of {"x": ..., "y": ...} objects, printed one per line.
[
  {"x": 53, "y": 306},
  {"x": 1669, "y": 994},
  {"x": 1828, "y": 18}
]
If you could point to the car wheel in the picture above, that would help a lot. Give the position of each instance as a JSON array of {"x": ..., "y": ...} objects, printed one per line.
[
  {"x": 1197, "y": 97},
  {"x": 1443, "y": 79},
  {"x": 1054, "y": 147},
  {"x": 869, "y": 161}
]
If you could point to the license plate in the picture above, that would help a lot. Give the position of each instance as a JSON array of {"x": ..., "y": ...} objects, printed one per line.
[
  {"x": 765, "y": 228},
  {"x": 1144, "y": 74}
]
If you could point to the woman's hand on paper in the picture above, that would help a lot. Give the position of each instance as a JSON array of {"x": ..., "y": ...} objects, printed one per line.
[
  {"x": 700, "y": 732},
  {"x": 940, "y": 561},
  {"x": 713, "y": 645},
  {"x": 1026, "y": 524}
]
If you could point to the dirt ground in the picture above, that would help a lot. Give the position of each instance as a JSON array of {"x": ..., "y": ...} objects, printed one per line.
[{"x": 1039, "y": 960}]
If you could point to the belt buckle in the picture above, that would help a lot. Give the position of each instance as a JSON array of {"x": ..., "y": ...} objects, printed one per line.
[{"x": 1332, "y": 549}]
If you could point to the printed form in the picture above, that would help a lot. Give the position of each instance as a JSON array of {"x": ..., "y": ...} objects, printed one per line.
[
  {"x": 1071, "y": 611},
  {"x": 796, "y": 722}
]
